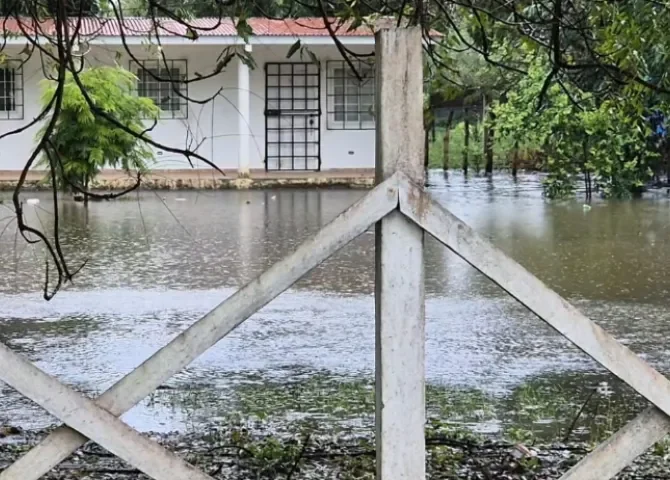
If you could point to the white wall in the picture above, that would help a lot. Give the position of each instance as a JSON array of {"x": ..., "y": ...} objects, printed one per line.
[
  {"x": 16, "y": 149},
  {"x": 214, "y": 125}
]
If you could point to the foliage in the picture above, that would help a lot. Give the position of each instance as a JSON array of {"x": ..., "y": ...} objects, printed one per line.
[
  {"x": 573, "y": 84},
  {"x": 272, "y": 457},
  {"x": 49, "y": 7},
  {"x": 82, "y": 143},
  {"x": 185, "y": 9},
  {"x": 618, "y": 152},
  {"x": 579, "y": 133},
  {"x": 529, "y": 157},
  {"x": 662, "y": 447},
  {"x": 520, "y": 435},
  {"x": 525, "y": 123}
]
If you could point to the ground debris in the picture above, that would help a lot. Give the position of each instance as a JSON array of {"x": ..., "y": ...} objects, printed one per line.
[{"x": 236, "y": 454}]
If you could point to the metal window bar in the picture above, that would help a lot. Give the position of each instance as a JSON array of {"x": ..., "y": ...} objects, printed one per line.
[
  {"x": 169, "y": 93},
  {"x": 292, "y": 116},
  {"x": 11, "y": 90},
  {"x": 350, "y": 100}
]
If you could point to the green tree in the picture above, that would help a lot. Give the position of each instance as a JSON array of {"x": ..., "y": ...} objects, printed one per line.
[
  {"x": 82, "y": 143},
  {"x": 532, "y": 129},
  {"x": 578, "y": 132},
  {"x": 617, "y": 151}
]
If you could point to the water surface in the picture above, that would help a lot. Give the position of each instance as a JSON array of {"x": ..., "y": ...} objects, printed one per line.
[{"x": 156, "y": 262}]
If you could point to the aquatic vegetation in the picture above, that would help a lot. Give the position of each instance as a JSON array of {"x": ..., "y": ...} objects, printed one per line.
[{"x": 544, "y": 409}]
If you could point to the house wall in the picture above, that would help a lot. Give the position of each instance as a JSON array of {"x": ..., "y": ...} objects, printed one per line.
[{"x": 211, "y": 128}]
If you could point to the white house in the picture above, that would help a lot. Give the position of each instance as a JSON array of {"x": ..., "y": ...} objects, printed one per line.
[{"x": 288, "y": 115}]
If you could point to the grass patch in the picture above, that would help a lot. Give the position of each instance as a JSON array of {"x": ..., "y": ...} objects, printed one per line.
[{"x": 547, "y": 408}]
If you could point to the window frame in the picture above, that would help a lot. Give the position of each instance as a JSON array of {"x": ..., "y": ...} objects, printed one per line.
[
  {"x": 16, "y": 96},
  {"x": 337, "y": 102},
  {"x": 139, "y": 68}
]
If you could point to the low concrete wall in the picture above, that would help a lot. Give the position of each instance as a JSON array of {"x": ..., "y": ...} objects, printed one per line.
[{"x": 206, "y": 179}]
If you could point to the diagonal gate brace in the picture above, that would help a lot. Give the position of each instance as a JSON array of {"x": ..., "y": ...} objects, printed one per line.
[{"x": 88, "y": 418}]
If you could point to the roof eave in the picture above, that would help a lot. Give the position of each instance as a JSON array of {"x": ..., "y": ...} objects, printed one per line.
[{"x": 349, "y": 40}]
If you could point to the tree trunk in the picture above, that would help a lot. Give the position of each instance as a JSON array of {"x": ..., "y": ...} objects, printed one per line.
[
  {"x": 445, "y": 145},
  {"x": 489, "y": 132},
  {"x": 86, "y": 191},
  {"x": 515, "y": 158},
  {"x": 466, "y": 146},
  {"x": 587, "y": 173},
  {"x": 426, "y": 146}
]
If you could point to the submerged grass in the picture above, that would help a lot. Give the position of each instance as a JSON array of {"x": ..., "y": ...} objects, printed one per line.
[
  {"x": 544, "y": 409},
  {"x": 319, "y": 425}
]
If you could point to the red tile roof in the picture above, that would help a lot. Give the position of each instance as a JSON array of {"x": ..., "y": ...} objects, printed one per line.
[{"x": 134, "y": 26}]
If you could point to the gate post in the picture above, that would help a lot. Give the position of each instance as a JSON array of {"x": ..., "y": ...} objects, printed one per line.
[{"x": 399, "y": 280}]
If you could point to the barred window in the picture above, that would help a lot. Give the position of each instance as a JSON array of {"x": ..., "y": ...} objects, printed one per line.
[
  {"x": 351, "y": 99},
  {"x": 161, "y": 81},
  {"x": 11, "y": 90}
]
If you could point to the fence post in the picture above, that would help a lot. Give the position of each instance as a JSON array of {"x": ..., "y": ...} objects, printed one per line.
[{"x": 399, "y": 283}]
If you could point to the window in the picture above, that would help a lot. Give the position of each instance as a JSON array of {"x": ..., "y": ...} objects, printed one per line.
[
  {"x": 11, "y": 90},
  {"x": 162, "y": 82},
  {"x": 351, "y": 99}
]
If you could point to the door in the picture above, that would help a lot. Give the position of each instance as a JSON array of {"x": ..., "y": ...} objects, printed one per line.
[{"x": 292, "y": 116}]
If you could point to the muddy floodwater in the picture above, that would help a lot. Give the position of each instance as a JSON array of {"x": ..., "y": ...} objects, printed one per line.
[{"x": 156, "y": 262}]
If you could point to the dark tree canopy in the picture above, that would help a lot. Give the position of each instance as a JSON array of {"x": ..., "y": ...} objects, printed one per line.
[{"x": 48, "y": 7}]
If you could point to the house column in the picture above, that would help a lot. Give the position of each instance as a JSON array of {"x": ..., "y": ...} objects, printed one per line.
[{"x": 244, "y": 117}]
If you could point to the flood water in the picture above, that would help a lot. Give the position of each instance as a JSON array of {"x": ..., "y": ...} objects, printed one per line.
[{"x": 156, "y": 262}]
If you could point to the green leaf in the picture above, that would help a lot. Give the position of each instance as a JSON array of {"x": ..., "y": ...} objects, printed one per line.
[
  {"x": 244, "y": 30},
  {"x": 223, "y": 63},
  {"x": 313, "y": 57},
  {"x": 192, "y": 34},
  {"x": 294, "y": 48},
  {"x": 247, "y": 59}
]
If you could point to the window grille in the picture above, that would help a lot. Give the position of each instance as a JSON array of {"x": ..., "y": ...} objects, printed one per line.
[
  {"x": 351, "y": 99},
  {"x": 11, "y": 90},
  {"x": 162, "y": 82}
]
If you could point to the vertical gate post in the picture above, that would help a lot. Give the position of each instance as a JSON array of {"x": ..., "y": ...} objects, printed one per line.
[{"x": 399, "y": 281}]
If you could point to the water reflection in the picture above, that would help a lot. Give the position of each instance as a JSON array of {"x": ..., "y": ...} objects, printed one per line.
[{"x": 159, "y": 261}]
